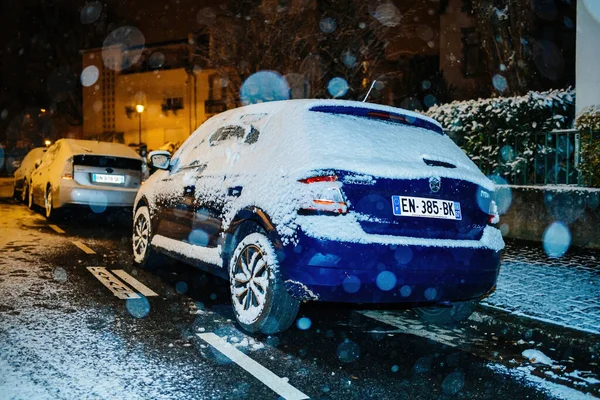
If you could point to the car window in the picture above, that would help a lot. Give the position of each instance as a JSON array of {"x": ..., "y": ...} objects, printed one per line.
[{"x": 50, "y": 155}]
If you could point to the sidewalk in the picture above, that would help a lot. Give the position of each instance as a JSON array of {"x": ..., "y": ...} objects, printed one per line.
[{"x": 562, "y": 291}]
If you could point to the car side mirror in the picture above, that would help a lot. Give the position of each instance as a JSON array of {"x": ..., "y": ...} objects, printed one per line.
[
  {"x": 160, "y": 159},
  {"x": 16, "y": 164}
]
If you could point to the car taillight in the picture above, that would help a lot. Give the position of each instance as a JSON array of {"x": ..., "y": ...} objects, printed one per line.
[
  {"x": 494, "y": 216},
  {"x": 67, "y": 172},
  {"x": 324, "y": 195}
]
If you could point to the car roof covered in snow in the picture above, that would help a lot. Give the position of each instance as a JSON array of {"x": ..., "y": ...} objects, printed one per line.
[
  {"x": 77, "y": 146},
  {"x": 345, "y": 107}
]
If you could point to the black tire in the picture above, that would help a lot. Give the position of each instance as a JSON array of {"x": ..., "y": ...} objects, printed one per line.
[
  {"x": 439, "y": 315},
  {"x": 260, "y": 300},
  {"x": 30, "y": 202},
  {"x": 49, "y": 211},
  {"x": 24, "y": 192},
  {"x": 143, "y": 254}
]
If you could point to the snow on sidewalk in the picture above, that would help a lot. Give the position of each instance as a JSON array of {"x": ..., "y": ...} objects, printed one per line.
[{"x": 564, "y": 291}]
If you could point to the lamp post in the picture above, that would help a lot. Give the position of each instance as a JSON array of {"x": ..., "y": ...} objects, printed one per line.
[{"x": 140, "y": 109}]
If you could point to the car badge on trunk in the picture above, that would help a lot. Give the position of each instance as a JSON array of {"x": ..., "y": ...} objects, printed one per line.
[
  {"x": 109, "y": 170},
  {"x": 435, "y": 184}
]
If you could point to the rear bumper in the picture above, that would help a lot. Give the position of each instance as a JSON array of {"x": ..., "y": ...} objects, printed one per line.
[
  {"x": 429, "y": 272},
  {"x": 70, "y": 192}
]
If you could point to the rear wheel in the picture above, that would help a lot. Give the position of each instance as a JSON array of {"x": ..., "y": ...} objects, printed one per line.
[
  {"x": 143, "y": 255},
  {"x": 48, "y": 205},
  {"x": 30, "y": 201},
  {"x": 261, "y": 302},
  {"x": 439, "y": 315},
  {"x": 24, "y": 191}
]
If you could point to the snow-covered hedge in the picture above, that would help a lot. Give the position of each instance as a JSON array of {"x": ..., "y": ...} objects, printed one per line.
[
  {"x": 504, "y": 135},
  {"x": 588, "y": 123}
]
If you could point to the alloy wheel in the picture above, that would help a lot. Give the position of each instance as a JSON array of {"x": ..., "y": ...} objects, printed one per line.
[
  {"x": 141, "y": 235},
  {"x": 250, "y": 281}
]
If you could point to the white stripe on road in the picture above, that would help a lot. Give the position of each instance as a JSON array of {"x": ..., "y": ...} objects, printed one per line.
[
  {"x": 56, "y": 229},
  {"x": 113, "y": 284},
  {"x": 415, "y": 327},
  {"x": 137, "y": 285},
  {"x": 83, "y": 247},
  {"x": 277, "y": 384}
]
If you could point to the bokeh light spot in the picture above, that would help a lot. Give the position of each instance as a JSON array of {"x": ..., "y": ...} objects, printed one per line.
[
  {"x": 556, "y": 239},
  {"x": 181, "y": 287},
  {"x": 337, "y": 87},
  {"x": 91, "y": 12},
  {"x": 351, "y": 284},
  {"x": 89, "y": 75},
  {"x": 386, "y": 280},
  {"x": 303, "y": 323},
  {"x": 348, "y": 351},
  {"x": 500, "y": 83},
  {"x": 139, "y": 308},
  {"x": 264, "y": 86},
  {"x": 328, "y": 25}
]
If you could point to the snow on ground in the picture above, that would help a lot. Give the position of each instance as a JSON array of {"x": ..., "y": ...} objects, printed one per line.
[
  {"x": 553, "y": 390},
  {"x": 563, "y": 291}
]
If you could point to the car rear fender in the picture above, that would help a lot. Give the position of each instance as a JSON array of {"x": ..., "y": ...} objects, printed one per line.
[{"x": 248, "y": 216}]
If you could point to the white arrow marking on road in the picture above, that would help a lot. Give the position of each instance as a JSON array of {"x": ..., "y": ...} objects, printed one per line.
[
  {"x": 56, "y": 229},
  {"x": 275, "y": 383},
  {"x": 83, "y": 247},
  {"x": 137, "y": 285},
  {"x": 113, "y": 284}
]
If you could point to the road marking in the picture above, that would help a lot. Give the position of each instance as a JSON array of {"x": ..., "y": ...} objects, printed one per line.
[
  {"x": 137, "y": 285},
  {"x": 56, "y": 229},
  {"x": 275, "y": 383},
  {"x": 83, "y": 247},
  {"x": 112, "y": 283},
  {"x": 415, "y": 327}
]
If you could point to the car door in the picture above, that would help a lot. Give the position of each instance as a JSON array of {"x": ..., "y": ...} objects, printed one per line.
[
  {"x": 177, "y": 188},
  {"x": 41, "y": 175}
]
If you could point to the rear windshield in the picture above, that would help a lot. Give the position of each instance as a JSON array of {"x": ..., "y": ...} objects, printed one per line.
[
  {"x": 386, "y": 116},
  {"x": 107, "y": 161}
]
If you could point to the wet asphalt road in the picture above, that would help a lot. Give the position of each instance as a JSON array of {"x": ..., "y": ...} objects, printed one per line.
[{"x": 63, "y": 334}]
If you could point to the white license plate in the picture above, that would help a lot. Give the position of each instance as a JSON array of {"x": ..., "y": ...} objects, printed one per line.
[
  {"x": 406, "y": 206},
  {"x": 104, "y": 178}
]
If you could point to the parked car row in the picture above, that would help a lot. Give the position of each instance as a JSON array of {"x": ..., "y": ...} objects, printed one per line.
[{"x": 301, "y": 200}]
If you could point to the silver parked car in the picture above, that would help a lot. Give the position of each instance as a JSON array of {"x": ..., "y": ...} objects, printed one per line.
[
  {"x": 23, "y": 173},
  {"x": 85, "y": 172}
]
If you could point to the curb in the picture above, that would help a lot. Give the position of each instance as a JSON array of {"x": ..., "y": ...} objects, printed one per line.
[{"x": 578, "y": 344}]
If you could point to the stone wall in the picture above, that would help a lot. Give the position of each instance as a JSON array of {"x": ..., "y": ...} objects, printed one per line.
[{"x": 530, "y": 210}]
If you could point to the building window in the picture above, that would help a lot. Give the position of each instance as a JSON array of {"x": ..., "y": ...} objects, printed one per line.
[{"x": 472, "y": 57}]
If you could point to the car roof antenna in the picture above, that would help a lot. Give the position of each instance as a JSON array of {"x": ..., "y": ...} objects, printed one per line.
[{"x": 369, "y": 92}]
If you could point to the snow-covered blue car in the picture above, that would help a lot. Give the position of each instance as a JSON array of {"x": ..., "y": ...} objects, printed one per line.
[{"x": 324, "y": 200}]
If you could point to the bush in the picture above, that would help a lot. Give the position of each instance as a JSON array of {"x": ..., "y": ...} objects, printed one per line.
[
  {"x": 588, "y": 123},
  {"x": 505, "y": 136}
]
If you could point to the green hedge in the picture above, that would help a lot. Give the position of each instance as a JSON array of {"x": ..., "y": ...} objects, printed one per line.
[
  {"x": 505, "y": 135},
  {"x": 588, "y": 123}
]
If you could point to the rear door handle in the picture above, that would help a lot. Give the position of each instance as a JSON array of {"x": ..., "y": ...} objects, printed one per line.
[{"x": 235, "y": 191}]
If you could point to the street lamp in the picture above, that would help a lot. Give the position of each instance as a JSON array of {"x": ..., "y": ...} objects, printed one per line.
[{"x": 140, "y": 109}]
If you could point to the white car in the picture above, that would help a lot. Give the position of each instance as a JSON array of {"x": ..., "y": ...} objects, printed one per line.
[
  {"x": 23, "y": 173},
  {"x": 88, "y": 173}
]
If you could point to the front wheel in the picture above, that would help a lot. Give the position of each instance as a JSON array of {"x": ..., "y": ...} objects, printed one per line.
[
  {"x": 260, "y": 300},
  {"x": 439, "y": 315}
]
